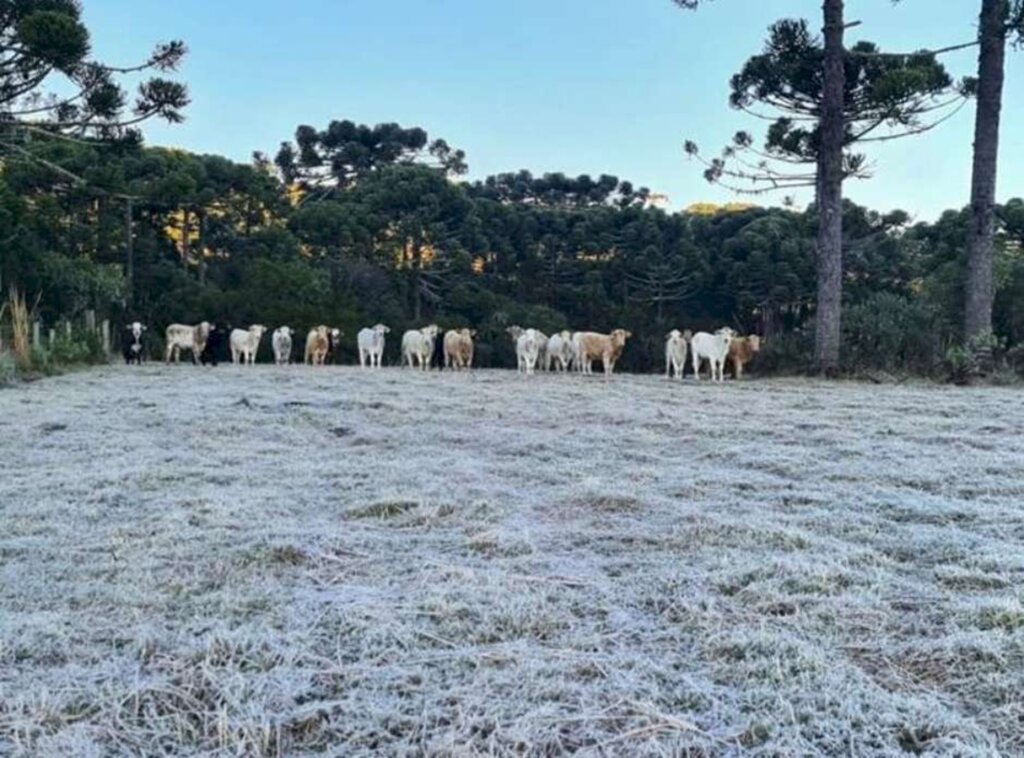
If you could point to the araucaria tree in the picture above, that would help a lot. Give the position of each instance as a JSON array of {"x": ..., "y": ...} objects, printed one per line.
[
  {"x": 345, "y": 152},
  {"x": 823, "y": 100},
  {"x": 998, "y": 19},
  {"x": 49, "y": 82}
]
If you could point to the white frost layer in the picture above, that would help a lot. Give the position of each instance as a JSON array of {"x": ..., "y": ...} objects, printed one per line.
[{"x": 277, "y": 560}]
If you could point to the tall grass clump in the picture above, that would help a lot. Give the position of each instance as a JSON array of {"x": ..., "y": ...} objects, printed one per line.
[{"x": 17, "y": 310}]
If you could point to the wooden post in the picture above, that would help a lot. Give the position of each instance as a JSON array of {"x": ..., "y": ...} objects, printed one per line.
[
  {"x": 53, "y": 337},
  {"x": 37, "y": 329},
  {"x": 67, "y": 329},
  {"x": 90, "y": 321},
  {"x": 105, "y": 330}
]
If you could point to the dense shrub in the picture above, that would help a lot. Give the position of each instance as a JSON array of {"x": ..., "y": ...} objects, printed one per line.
[{"x": 890, "y": 332}]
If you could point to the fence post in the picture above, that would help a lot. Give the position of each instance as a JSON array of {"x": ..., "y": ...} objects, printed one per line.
[
  {"x": 90, "y": 321},
  {"x": 37, "y": 329},
  {"x": 105, "y": 330},
  {"x": 67, "y": 329},
  {"x": 53, "y": 337}
]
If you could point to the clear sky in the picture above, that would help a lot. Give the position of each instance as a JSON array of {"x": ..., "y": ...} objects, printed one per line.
[{"x": 578, "y": 86}]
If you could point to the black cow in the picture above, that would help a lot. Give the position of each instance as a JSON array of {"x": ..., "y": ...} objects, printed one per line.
[{"x": 216, "y": 345}]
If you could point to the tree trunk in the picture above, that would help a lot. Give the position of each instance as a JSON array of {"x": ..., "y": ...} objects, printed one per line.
[
  {"x": 201, "y": 217},
  {"x": 830, "y": 195},
  {"x": 992, "y": 36},
  {"x": 129, "y": 253},
  {"x": 186, "y": 242},
  {"x": 417, "y": 295}
]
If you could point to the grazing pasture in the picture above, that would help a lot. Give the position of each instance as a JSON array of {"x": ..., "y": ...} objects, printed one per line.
[{"x": 271, "y": 561}]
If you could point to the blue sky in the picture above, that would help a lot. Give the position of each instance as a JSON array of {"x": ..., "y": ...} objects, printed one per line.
[{"x": 579, "y": 86}]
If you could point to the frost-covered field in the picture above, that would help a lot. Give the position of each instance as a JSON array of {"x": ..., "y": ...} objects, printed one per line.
[{"x": 291, "y": 561}]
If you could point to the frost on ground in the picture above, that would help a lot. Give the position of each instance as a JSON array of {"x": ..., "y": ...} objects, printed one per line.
[{"x": 288, "y": 561}]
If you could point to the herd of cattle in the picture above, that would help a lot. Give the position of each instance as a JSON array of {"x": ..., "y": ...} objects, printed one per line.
[{"x": 565, "y": 351}]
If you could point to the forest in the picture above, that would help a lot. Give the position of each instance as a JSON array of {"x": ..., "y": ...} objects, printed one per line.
[{"x": 350, "y": 224}]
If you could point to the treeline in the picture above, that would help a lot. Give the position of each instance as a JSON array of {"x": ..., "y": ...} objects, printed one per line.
[
  {"x": 351, "y": 224},
  {"x": 355, "y": 225}
]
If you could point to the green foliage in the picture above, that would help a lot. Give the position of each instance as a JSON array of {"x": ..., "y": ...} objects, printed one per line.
[
  {"x": 888, "y": 331},
  {"x": 969, "y": 360}
]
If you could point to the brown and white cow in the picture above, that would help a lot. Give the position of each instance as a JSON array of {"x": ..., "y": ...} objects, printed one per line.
[
  {"x": 318, "y": 344},
  {"x": 181, "y": 337},
  {"x": 458, "y": 348},
  {"x": 741, "y": 352},
  {"x": 607, "y": 348}
]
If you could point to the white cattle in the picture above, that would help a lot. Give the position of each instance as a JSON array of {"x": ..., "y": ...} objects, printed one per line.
[
  {"x": 559, "y": 351},
  {"x": 281, "y": 341},
  {"x": 528, "y": 350},
  {"x": 676, "y": 346},
  {"x": 371, "y": 345},
  {"x": 181, "y": 337},
  {"x": 542, "y": 349},
  {"x": 713, "y": 348},
  {"x": 577, "y": 352},
  {"x": 245, "y": 343},
  {"x": 418, "y": 345}
]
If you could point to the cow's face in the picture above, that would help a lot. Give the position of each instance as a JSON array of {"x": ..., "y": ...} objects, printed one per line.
[
  {"x": 673, "y": 335},
  {"x": 687, "y": 335},
  {"x": 754, "y": 341},
  {"x": 335, "y": 334},
  {"x": 258, "y": 330},
  {"x": 726, "y": 333},
  {"x": 621, "y": 335},
  {"x": 431, "y": 331},
  {"x": 515, "y": 332},
  {"x": 380, "y": 329}
]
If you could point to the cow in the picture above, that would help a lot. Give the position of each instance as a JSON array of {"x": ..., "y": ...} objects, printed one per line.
[
  {"x": 676, "y": 345},
  {"x": 216, "y": 347},
  {"x": 370, "y": 343},
  {"x": 317, "y": 344},
  {"x": 418, "y": 346},
  {"x": 333, "y": 340},
  {"x": 542, "y": 349},
  {"x": 527, "y": 342},
  {"x": 607, "y": 348},
  {"x": 559, "y": 352},
  {"x": 281, "y": 341},
  {"x": 713, "y": 348},
  {"x": 245, "y": 343},
  {"x": 181, "y": 337},
  {"x": 577, "y": 351},
  {"x": 458, "y": 348},
  {"x": 741, "y": 352},
  {"x": 132, "y": 348}
]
